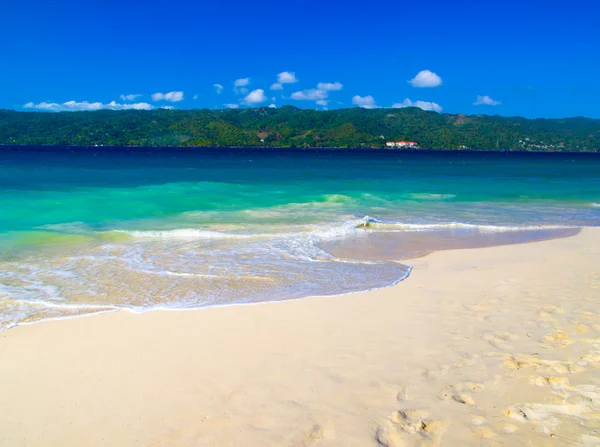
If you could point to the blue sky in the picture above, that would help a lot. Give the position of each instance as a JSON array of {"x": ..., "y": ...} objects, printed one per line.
[{"x": 530, "y": 58}]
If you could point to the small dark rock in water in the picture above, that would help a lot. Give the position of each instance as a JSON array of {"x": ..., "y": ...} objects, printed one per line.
[{"x": 367, "y": 222}]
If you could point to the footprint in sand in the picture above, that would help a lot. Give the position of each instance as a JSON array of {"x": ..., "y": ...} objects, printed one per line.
[
  {"x": 461, "y": 392},
  {"x": 481, "y": 428},
  {"x": 478, "y": 311},
  {"x": 436, "y": 373},
  {"x": 509, "y": 429},
  {"x": 551, "y": 309},
  {"x": 545, "y": 413},
  {"x": 579, "y": 403},
  {"x": 498, "y": 339},
  {"x": 316, "y": 434},
  {"x": 402, "y": 394},
  {"x": 522, "y": 361},
  {"x": 410, "y": 428},
  {"x": 546, "y": 314},
  {"x": 558, "y": 339},
  {"x": 464, "y": 360},
  {"x": 581, "y": 328},
  {"x": 458, "y": 337},
  {"x": 554, "y": 382}
]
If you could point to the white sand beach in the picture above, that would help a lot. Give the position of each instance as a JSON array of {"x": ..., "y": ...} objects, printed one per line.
[{"x": 478, "y": 347}]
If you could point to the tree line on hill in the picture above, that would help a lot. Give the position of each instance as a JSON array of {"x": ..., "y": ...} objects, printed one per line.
[{"x": 292, "y": 127}]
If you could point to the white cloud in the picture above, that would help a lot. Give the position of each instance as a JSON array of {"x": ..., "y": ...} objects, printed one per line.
[
  {"x": 366, "y": 102},
  {"x": 239, "y": 86},
  {"x": 231, "y": 106},
  {"x": 167, "y": 107},
  {"x": 313, "y": 94},
  {"x": 171, "y": 96},
  {"x": 329, "y": 86},
  {"x": 287, "y": 77},
  {"x": 75, "y": 106},
  {"x": 243, "y": 82},
  {"x": 134, "y": 106},
  {"x": 426, "y": 78},
  {"x": 174, "y": 96},
  {"x": 272, "y": 106},
  {"x": 432, "y": 106},
  {"x": 255, "y": 97},
  {"x": 218, "y": 88},
  {"x": 130, "y": 97},
  {"x": 486, "y": 101},
  {"x": 195, "y": 96},
  {"x": 320, "y": 94}
]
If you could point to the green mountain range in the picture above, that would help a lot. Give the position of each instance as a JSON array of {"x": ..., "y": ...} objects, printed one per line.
[{"x": 292, "y": 127}]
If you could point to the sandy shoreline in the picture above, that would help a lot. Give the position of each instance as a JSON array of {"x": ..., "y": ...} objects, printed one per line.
[{"x": 478, "y": 347}]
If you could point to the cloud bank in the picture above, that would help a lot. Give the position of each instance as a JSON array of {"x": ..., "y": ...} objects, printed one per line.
[{"x": 75, "y": 106}]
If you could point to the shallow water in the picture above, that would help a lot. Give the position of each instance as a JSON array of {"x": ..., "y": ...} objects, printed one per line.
[{"x": 87, "y": 230}]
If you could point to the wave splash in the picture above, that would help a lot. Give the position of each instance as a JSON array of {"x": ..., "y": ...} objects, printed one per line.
[{"x": 182, "y": 268}]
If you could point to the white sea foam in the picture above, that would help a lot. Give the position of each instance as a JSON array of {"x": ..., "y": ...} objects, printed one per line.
[
  {"x": 430, "y": 196},
  {"x": 399, "y": 226},
  {"x": 66, "y": 306},
  {"x": 184, "y": 234},
  {"x": 310, "y": 231},
  {"x": 327, "y": 231},
  {"x": 337, "y": 231},
  {"x": 178, "y": 274}
]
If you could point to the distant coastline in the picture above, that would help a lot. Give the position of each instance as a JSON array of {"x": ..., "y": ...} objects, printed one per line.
[
  {"x": 307, "y": 148},
  {"x": 290, "y": 127}
]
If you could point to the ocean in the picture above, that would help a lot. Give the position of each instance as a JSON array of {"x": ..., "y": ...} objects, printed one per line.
[{"x": 87, "y": 230}]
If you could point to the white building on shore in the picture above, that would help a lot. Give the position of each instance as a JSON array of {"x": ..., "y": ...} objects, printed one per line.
[{"x": 410, "y": 144}]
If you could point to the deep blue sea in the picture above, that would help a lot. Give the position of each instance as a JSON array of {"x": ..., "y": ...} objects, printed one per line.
[{"x": 84, "y": 230}]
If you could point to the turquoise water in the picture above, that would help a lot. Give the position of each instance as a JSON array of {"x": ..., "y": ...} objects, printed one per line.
[{"x": 87, "y": 230}]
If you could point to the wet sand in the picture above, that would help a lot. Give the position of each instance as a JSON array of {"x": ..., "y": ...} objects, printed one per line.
[
  {"x": 490, "y": 346},
  {"x": 408, "y": 245}
]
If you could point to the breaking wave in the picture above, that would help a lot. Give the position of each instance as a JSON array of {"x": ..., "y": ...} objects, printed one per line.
[{"x": 182, "y": 268}]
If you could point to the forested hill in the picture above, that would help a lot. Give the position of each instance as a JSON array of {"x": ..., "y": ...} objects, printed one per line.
[{"x": 293, "y": 127}]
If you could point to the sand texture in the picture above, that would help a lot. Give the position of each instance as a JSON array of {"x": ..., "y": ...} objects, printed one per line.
[{"x": 493, "y": 346}]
